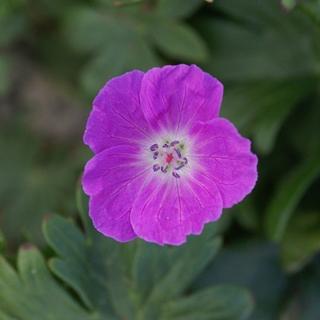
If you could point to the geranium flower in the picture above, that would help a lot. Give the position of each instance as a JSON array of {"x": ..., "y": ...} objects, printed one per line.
[{"x": 165, "y": 163}]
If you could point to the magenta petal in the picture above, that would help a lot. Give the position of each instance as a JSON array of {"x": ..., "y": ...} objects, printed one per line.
[
  {"x": 173, "y": 97},
  {"x": 165, "y": 164},
  {"x": 112, "y": 178},
  {"x": 225, "y": 157},
  {"x": 165, "y": 213},
  {"x": 116, "y": 117}
]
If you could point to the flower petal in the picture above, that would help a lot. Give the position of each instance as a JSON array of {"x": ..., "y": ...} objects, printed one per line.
[
  {"x": 224, "y": 156},
  {"x": 173, "y": 97},
  {"x": 116, "y": 117},
  {"x": 112, "y": 178},
  {"x": 166, "y": 212}
]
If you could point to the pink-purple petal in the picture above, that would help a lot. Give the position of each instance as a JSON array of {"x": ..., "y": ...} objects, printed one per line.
[
  {"x": 116, "y": 117},
  {"x": 134, "y": 121},
  {"x": 173, "y": 97},
  {"x": 111, "y": 179},
  {"x": 224, "y": 156},
  {"x": 166, "y": 213}
]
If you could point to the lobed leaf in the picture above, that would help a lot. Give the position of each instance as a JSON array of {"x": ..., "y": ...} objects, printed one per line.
[{"x": 33, "y": 293}]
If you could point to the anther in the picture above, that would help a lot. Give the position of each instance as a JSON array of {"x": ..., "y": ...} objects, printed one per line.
[
  {"x": 178, "y": 152},
  {"x": 165, "y": 145},
  {"x": 185, "y": 160},
  {"x": 154, "y": 147},
  {"x": 180, "y": 167},
  {"x": 173, "y": 143},
  {"x": 164, "y": 169},
  {"x": 155, "y": 167},
  {"x": 176, "y": 175},
  {"x": 155, "y": 155}
]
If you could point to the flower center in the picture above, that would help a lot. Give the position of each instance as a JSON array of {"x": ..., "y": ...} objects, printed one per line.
[{"x": 169, "y": 157}]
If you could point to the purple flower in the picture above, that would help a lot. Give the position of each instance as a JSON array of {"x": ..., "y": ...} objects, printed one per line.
[{"x": 165, "y": 164}]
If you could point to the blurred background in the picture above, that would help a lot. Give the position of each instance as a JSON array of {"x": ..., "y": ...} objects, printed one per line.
[{"x": 55, "y": 55}]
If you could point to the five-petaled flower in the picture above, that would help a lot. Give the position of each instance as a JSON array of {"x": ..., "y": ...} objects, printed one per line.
[{"x": 165, "y": 163}]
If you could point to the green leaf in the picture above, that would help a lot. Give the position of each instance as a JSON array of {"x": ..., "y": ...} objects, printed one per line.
[
  {"x": 133, "y": 281},
  {"x": 246, "y": 215},
  {"x": 254, "y": 265},
  {"x": 105, "y": 66},
  {"x": 304, "y": 127},
  {"x": 33, "y": 293},
  {"x": 87, "y": 30},
  {"x": 288, "y": 195},
  {"x": 269, "y": 51},
  {"x": 177, "y": 8},
  {"x": 301, "y": 241},
  {"x": 178, "y": 40},
  {"x": 29, "y": 189},
  {"x": 304, "y": 302},
  {"x": 259, "y": 108},
  {"x": 216, "y": 303}
]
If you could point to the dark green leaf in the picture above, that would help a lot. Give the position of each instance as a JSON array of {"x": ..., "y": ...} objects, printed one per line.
[
  {"x": 33, "y": 293},
  {"x": 178, "y": 40},
  {"x": 260, "y": 108},
  {"x": 133, "y": 280},
  {"x": 301, "y": 241},
  {"x": 87, "y": 30},
  {"x": 216, "y": 303},
  {"x": 105, "y": 66},
  {"x": 239, "y": 53},
  {"x": 254, "y": 265},
  {"x": 288, "y": 195}
]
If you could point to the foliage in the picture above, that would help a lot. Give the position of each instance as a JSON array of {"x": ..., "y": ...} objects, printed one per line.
[
  {"x": 53, "y": 58},
  {"x": 137, "y": 281}
]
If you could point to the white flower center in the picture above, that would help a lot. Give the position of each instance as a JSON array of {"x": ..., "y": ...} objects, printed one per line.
[{"x": 169, "y": 157}]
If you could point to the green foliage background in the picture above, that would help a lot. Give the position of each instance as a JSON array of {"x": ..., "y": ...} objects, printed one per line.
[{"x": 260, "y": 262}]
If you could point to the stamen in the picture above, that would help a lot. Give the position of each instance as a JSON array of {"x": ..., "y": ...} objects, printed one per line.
[
  {"x": 169, "y": 157},
  {"x": 176, "y": 175},
  {"x": 155, "y": 167},
  {"x": 178, "y": 152},
  {"x": 173, "y": 143},
  {"x": 180, "y": 167},
  {"x": 164, "y": 169},
  {"x": 154, "y": 147}
]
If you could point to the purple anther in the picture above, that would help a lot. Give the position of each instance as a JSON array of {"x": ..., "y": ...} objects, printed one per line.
[
  {"x": 178, "y": 152},
  {"x": 185, "y": 160},
  {"x": 155, "y": 155},
  {"x": 156, "y": 167},
  {"x": 179, "y": 167},
  {"x": 173, "y": 143},
  {"x": 164, "y": 169},
  {"x": 176, "y": 175},
  {"x": 154, "y": 147},
  {"x": 165, "y": 145}
]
